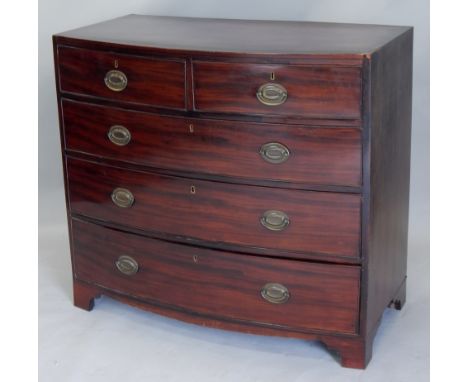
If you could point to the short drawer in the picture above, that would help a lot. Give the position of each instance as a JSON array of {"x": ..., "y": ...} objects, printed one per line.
[
  {"x": 149, "y": 81},
  {"x": 213, "y": 212},
  {"x": 299, "y": 295},
  {"x": 255, "y": 151},
  {"x": 294, "y": 90}
]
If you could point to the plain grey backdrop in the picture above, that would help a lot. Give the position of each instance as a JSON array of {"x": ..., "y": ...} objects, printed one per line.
[{"x": 116, "y": 342}]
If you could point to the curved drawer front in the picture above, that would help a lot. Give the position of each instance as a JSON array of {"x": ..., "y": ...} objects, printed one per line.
[
  {"x": 147, "y": 81},
  {"x": 255, "y": 151},
  {"x": 297, "y": 295},
  {"x": 239, "y": 215},
  {"x": 287, "y": 90}
]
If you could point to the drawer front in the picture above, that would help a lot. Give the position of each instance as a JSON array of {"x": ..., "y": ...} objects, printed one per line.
[
  {"x": 124, "y": 78},
  {"x": 297, "y": 90},
  {"x": 256, "y": 151},
  {"x": 240, "y": 215},
  {"x": 298, "y": 295}
]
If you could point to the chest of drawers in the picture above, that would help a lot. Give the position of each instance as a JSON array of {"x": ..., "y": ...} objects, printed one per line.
[{"x": 245, "y": 175}]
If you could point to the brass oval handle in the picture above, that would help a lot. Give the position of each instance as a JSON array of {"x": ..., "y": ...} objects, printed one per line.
[
  {"x": 127, "y": 265},
  {"x": 275, "y": 293},
  {"x": 122, "y": 197},
  {"x": 272, "y": 94},
  {"x": 274, "y": 152},
  {"x": 274, "y": 220},
  {"x": 115, "y": 80},
  {"x": 119, "y": 135}
]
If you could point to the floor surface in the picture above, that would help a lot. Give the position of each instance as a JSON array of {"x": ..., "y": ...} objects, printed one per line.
[{"x": 117, "y": 343}]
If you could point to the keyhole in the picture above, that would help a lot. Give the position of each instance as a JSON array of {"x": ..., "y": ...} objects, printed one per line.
[
  {"x": 272, "y": 76},
  {"x": 192, "y": 190}
]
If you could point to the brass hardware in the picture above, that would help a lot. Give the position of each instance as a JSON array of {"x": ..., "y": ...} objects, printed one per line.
[
  {"x": 115, "y": 80},
  {"x": 119, "y": 135},
  {"x": 271, "y": 94},
  {"x": 127, "y": 265},
  {"x": 193, "y": 190},
  {"x": 274, "y": 220},
  {"x": 272, "y": 76},
  {"x": 275, "y": 293},
  {"x": 116, "y": 64},
  {"x": 191, "y": 128},
  {"x": 195, "y": 258},
  {"x": 274, "y": 152},
  {"x": 122, "y": 197}
]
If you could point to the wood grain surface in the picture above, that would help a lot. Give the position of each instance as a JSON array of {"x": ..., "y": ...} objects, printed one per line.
[
  {"x": 244, "y": 37},
  {"x": 320, "y": 222},
  {"x": 157, "y": 82},
  {"x": 220, "y": 284},
  {"x": 318, "y": 155},
  {"x": 312, "y": 91},
  {"x": 388, "y": 178},
  {"x": 201, "y": 187}
]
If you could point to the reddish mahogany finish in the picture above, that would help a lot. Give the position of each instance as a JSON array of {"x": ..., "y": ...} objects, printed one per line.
[
  {"x": 200, "y": 185},
  {"x": 320, "y": 222},
  {"x": 159, "y": 82},
  {"x": 312, "y": 91},
  {"x": 353, "y": 350},
  {"x": 221, "y": 284},
  {"x": 224, "y": 148},
  {"x": 270, "y": 39},
  {"x": 387, "y": 184}
]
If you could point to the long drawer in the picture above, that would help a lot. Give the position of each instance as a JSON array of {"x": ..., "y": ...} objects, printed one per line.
[
  {"x": 299, "y": 295},
  {"x": 118, "y": 77},
  {"x": 247, "y": 216},
  {"x": 253, "y": 151}
]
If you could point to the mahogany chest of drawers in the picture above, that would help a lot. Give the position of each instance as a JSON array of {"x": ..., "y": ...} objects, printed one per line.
[{"x": 246, "y": 175}]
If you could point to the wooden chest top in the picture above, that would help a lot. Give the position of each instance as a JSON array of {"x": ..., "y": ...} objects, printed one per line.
[{"x": 239, "y": 36}]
